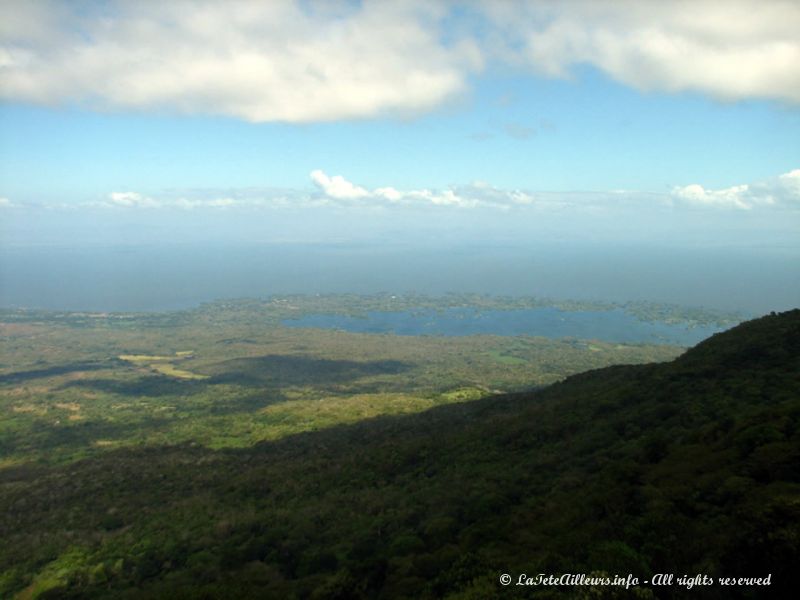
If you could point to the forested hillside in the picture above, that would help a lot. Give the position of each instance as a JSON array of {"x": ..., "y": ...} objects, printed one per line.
[{"x": 686, "y": 467}]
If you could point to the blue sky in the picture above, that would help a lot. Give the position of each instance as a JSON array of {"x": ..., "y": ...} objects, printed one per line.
[
  {"x": 285, "y": 121},
  {"x": 588, "y": 133}
]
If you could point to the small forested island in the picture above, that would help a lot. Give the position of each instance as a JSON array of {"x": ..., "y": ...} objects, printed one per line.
[{"x": 224, "y": 452}]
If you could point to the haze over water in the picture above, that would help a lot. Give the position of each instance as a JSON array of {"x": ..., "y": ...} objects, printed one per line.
[{"x": 167, "y": 277}]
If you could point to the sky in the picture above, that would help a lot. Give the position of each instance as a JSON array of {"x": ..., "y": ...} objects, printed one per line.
[{"x": 387, "y": 122}]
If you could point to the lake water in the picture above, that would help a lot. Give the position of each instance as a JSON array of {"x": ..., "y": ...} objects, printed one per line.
[{"x": 609, "y": 326}]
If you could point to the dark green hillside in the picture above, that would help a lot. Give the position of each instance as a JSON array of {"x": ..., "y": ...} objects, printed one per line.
[{"x": 685, "y": 467}]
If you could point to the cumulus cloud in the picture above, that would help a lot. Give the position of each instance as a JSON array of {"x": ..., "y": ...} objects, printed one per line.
[
  {"x": 337, "y": 187},
  {"x": 782, "y": 191},
  {"x": 470, "y": 196},
  {"x": 732, "y": 197},
  {"x": 731, "y": 49},
  {"x": 259, "y": 61},
  {"x": 294, "y": 61}
]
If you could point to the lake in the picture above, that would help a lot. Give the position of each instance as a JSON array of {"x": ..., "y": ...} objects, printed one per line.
[{"x": 610, "y": 326}]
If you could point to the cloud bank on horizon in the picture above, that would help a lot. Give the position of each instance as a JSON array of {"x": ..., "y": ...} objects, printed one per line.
[
  {"x": 295, "y": 62},
  {"x": 779, "y": 193}
]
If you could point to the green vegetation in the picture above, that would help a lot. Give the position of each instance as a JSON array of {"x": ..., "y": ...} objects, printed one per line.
[
  {"x": 672, "y": 313},
  {"x": 172, "y": 371},
  {"x": 318, "y": 464},
  {"x": 163, "y": 364},
  {"x": 75, "y": 385},
  {"x": 504, "y": 358}
]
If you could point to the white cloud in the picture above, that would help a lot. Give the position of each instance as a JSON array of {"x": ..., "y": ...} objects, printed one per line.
[
  {"x": 131, "y": 200},
  {"x": 259, "y": 61},
  {"x": 337, "y": 187},
  {"x": 305, "y": 62},
  {"x": 731, "y": 49},
  {"x": 190, "y": 204},
  {"x": 134, "y": 200},
  {"x": 489, "y": 195},
  {"x": 732, "y": 197},
  {"x": 389, "y": 193},
  {"x": 782, "y": 191},
  {"x": 441, "y": 198},
  {"x": 790, "y": 182}
]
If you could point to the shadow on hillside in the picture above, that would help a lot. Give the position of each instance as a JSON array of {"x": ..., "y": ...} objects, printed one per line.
[
  {"x": 22, "y": 376},
  {"x": 272, "y": 372},
  {"x": 284, "y": 370}
]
